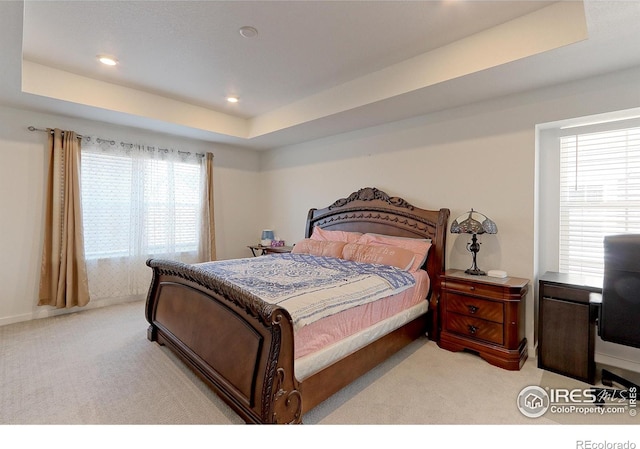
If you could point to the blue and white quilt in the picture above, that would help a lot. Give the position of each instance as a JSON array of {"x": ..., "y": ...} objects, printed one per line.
[{"x": 311, "y": 287}]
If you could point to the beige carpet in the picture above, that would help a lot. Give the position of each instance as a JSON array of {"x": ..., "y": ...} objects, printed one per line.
[{"x": 97, "y": 367}]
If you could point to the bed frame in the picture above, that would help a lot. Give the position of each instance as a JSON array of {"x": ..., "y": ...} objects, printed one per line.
[{"x": 243, "y": 348}]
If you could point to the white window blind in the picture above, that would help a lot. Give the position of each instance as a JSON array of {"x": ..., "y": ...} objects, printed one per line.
[
  {"x": 599, "y": 195},
  {"x": 138, "y": 202}
]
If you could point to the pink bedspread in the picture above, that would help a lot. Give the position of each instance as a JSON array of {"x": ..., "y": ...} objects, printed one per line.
[{"x": 329, "y": 330}]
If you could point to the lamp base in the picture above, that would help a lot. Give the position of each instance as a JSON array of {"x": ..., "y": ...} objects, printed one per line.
[{"x": 474, "y": 247}]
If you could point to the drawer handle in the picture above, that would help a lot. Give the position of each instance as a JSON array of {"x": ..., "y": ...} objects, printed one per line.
[
  {"x": 473, "y": 309},
  {"x": 473, "y": 329},
  {"x": 472, "y": 288}
]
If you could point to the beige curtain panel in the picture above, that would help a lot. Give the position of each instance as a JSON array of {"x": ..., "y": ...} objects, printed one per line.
[
  {"x": 63, "y": 274},
  {"x": 208, "y": 229}
]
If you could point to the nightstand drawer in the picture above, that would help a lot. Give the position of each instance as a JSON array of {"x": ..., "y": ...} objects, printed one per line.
[
  {"x": 476, "y": 307},
  {"x": 474, "y": 289},
  {"x": 475, "y": 328}
]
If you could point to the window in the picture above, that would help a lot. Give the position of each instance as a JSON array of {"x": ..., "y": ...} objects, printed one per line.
[
  {"x": 599, "y": 194},
  {"x": 138, "y": 202}
]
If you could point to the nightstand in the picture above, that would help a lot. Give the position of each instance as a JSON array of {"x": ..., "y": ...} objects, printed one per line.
[
  {"x": 262, "y": 250},
  {"x": 484, "y": 315}
]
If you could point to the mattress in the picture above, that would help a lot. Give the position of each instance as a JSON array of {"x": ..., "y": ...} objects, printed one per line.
[{"x": 332, "y": 338}]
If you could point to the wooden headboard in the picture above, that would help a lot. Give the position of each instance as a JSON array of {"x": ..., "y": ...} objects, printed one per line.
[{"x": 372, "y": 210}]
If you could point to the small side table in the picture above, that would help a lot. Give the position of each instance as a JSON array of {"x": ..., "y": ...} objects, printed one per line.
[
  {"x": 484, "y": 315},
  {"x": 567, "y": 325},
  {"x": 259, "y": 250}
]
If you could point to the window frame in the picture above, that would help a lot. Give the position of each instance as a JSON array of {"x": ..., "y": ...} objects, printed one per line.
[{"x": 548, "y": 231}]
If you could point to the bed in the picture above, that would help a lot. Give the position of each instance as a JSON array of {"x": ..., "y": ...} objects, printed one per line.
[{"x": 244, "y": 347}]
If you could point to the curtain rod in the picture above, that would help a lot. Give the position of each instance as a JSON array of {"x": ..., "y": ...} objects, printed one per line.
[{"x": 33, "y": 128}]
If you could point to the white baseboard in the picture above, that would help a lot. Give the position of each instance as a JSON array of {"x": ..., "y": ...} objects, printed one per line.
[
  {"x": 624, "y": 357},
  {"x": 617, "y": 362},
  {"x": 47, "y": 311}
]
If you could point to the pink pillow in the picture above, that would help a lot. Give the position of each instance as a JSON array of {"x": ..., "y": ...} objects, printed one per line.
[
  {"x": 334, "y": 236},
  {"x": 419, "y": 247},
  {"x": 319, "y": 248},
  {"x": 383, "y": 255}
]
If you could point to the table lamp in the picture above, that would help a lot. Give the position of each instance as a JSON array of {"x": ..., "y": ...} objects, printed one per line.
[
  {"x": 267, "y": 237},
  {"x": 473, "y": 222}
]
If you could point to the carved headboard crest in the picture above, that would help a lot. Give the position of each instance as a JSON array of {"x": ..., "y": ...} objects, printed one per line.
[{"x": 370, "y": 194}]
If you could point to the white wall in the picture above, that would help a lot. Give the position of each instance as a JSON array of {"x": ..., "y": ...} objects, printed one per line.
[
  {"x": 22, "y": 184},
  {"x": 481, "y": 156}
]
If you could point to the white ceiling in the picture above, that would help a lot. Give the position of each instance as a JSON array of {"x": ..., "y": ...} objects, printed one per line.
[{"x": 316, "y": 68}]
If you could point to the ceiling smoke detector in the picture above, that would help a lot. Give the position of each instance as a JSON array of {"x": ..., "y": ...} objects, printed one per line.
[{"x": 248, "y": 32}]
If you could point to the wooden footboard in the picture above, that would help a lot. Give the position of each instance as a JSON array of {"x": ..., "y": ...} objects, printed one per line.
[{"x": 239, "y": 345}]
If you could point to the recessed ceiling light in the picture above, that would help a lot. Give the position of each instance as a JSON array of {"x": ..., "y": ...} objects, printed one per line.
[
  {"x": 232, "y": 99},
  {"x": 107, "y": 60},
  {"x": 248, "y": 32}
]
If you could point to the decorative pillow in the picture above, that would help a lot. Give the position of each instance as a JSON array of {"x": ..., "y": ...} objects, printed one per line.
[
  {"x": 334, "y": 236},
  {"x": 319, "y": 248},
  {"x": 383, "y": 255},
  {"x": 419, "y": 247}
]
